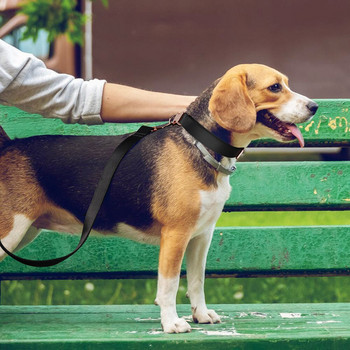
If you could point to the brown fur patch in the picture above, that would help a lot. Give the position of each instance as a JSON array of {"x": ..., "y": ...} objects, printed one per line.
[
  {"x": 20, "y": 192},
  {"x": 6, "y": 222},
  {"x": 231, "y": 105},
  {"x": 175, "y": 205},
  {"x": 242, "y": 92},
  {"x": 57, "y": 219},
  {"x": 173, "y": 245},
  {"x": 176, "y": 198},
  {"x": 264, "y": 77}
]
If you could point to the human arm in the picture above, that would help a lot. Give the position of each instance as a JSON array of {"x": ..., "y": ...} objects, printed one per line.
[
  {"x": 122, "y": 103},
  {"x": 26, "y": 83}
]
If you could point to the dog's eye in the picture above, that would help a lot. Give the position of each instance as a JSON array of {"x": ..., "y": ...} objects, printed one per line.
[{"x": 275, "y": 88}]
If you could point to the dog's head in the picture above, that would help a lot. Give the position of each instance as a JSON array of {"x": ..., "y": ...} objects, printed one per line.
[{"x": 255, "y": 101}]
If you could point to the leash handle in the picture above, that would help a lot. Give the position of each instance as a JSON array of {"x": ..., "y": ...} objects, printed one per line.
[{"x": 100, "y": 192}]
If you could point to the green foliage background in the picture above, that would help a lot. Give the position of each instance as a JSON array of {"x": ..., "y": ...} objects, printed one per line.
[{"x": 56, "y": 17}]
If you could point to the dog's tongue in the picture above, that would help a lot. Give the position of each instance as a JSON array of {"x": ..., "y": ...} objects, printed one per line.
[{"x": 296, "y": 132}]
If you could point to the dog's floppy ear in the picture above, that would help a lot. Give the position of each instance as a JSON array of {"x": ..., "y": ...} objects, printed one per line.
[{"x": 230, "y": 104}]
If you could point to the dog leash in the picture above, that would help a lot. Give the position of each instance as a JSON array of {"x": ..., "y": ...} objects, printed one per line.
[{"x": 194, "y": 128}]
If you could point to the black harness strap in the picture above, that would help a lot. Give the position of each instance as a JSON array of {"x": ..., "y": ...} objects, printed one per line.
[{"x": 190, "y": 125}]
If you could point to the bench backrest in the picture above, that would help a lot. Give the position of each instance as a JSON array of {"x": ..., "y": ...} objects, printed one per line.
[{"x": 235, "y": 251}]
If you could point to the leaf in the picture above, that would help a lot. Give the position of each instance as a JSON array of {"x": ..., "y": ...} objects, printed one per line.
[{"x": 56, "y": 17}]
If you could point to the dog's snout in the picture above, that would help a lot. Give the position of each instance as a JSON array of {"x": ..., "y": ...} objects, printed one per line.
[{"x": 312, "y": 107}]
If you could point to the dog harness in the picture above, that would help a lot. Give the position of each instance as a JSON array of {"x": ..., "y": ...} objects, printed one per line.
[{"x": 204, "y": 138}]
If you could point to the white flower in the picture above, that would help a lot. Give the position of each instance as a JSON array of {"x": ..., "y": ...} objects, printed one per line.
[
  {"x": 238, "y": 295},
  {"x": 89, "y": 287}
]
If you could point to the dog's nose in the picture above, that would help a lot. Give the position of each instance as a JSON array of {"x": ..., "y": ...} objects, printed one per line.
[{"x": 312, "y": 107}]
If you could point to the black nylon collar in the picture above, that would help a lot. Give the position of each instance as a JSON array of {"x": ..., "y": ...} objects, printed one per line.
[{"x": 204, "y": 136}]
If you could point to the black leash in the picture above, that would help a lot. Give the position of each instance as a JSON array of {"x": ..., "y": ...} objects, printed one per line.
[{"x": 187, "y": 122}]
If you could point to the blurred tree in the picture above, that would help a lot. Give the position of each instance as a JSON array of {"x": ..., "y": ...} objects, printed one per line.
[{"x": 56, "y": 17}]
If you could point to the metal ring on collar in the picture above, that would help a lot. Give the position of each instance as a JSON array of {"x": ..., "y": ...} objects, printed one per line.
[{"x": 213, "y": 162}]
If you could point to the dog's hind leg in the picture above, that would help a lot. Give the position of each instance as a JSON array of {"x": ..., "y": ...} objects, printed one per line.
[{"x": 13, "y": 231}]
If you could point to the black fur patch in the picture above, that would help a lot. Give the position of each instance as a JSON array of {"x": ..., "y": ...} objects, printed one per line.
[
  {"x": 69, "y": 168},
  {"x": 3, "y": 138}
]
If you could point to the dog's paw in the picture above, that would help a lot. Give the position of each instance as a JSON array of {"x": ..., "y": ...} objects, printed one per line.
[
  {"x": 179, "y": 325},
  {"x": 205, "y": 316}
]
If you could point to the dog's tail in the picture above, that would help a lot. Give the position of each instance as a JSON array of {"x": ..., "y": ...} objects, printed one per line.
[{"x": 3, "y": 137}]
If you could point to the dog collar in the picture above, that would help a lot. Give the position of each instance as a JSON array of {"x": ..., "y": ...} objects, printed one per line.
[
  {"x": 205, "y": 137},
  {"x": 213, "y": 162}
]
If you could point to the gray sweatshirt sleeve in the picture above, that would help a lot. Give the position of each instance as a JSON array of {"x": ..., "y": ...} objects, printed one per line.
[{"x": 26, "y": 83}]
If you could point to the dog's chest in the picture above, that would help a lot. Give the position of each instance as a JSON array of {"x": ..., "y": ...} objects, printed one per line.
[{"x": 212, "y": 203}]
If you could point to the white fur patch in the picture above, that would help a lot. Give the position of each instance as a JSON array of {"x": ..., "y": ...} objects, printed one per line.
[
  {"x": 121, "y": 230},
  {"x": 167, "y": 290},
  {"x": 130, "y": 232},
  {"x": 295, "y": 110},
  {"x": 20, "y": 226},
  {"x": 30, "y": 235},
  {"x": 212, "y": 203},
  {"x": 166, "y": 299}
]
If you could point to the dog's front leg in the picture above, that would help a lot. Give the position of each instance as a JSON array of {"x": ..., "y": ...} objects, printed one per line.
[
  {"x": 196, "y": 256},
  {"x": 172, "y": 248}
]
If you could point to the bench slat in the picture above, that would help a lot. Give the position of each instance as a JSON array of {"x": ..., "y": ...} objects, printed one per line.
[
  {"x": 235, "y": 251},
  {"x": 330, "y": 126},
  {"x": 268, "y": 326},
  {"x": 290, "y": 186}
]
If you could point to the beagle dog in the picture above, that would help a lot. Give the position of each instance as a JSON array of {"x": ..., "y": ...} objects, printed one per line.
[{"x": 164, "y": 191}]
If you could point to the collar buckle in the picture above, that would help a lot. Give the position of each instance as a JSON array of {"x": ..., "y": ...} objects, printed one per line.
[{"x": 175, "y": 119}]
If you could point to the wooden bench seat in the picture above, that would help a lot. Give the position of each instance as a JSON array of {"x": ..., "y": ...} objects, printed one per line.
[
  {"x": 235, "y": 252},
  {"x": 260, "y": 326}
]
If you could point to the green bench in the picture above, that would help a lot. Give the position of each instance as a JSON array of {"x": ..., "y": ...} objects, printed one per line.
[{"x": 235, "y": 251}]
